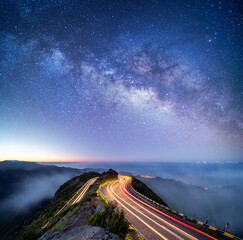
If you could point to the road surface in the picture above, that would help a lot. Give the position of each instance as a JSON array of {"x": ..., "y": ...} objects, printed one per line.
[
  {"x": 149, "y": 221},
  {"x": 77, "y": 197},
  {"x": 82, "y": 190}
]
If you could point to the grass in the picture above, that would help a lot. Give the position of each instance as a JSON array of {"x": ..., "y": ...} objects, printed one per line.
[
  {"x": 66, "y": 215},
  {"x": 64, "y": 218},
  {"x": 110, "y": 219},
  {"x": 71, "y": 187}
]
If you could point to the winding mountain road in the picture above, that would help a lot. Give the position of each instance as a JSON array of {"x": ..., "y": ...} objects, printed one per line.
[
  {"x": 83, "y": 190},
  {"x": 149, "y": 221}
]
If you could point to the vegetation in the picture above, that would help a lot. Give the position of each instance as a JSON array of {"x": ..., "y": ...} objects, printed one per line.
[
  {"x": 31, "y": 230},
  {"x": 110, "y": 219},
  {"x": 143, "y": 189},
  {"x": 107, "y": 216},
  {"x": 107, "y": 177},
  {"x": 71, "y": 187}
]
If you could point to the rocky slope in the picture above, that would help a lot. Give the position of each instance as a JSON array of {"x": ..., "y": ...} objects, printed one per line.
[{"x": 82, "y": 233}]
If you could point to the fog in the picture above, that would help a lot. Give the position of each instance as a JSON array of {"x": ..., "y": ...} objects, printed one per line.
[
  {"x": 29, "y": 193},
  {"x": 218, "y": 204},
  {"x": 34, "y": 190},
  {"x": 200, "y": 174}
]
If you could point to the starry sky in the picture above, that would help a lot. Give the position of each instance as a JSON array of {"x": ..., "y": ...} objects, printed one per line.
[{"x": 121, "y": 80}]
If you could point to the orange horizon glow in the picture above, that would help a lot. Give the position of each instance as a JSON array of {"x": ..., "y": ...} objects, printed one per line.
[
  {"x": 48, "y": 161},
  {"x": 79, "y": 159},
  {"x": 66, "y": 160}
]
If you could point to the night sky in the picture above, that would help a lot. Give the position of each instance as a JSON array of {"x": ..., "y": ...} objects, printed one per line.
[{"x": 121, "y": 80}]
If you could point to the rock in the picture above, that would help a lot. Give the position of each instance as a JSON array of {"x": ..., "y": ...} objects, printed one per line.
[
  {"x": 85, "y": 232},
  {"x": 81, "y": 216}
]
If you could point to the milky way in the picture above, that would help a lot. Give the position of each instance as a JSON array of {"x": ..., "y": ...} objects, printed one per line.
[{"x": 123, "y": 80}]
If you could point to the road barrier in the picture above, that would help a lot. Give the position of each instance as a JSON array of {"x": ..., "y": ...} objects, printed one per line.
[
  {"x": 99, "y": 193},
  {"x": 231, "y": 236}
]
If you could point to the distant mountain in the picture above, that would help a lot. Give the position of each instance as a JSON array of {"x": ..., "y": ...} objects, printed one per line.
[
  {"x": 100, "y": 170},
  {"x": 23, "y": 185},
  {"x": 24, "y": 165},
  {"x": 219, "y": 204},
  {"x": 14, "y": 164}
]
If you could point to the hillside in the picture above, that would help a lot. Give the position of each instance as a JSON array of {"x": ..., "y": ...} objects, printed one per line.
[
  {"x": 143, "y": 189},
  {"x": 73, "y": 220}
]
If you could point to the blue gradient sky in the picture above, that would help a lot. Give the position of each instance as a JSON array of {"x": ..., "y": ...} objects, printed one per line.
[{"x": 121, "y": 80}]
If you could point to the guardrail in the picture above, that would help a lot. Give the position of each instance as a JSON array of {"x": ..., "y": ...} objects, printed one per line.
[
  {"x": 226, "y": 234},
  {"x": 99, "y": 193}
]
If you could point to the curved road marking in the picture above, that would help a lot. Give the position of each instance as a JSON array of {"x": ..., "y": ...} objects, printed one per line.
[
  {"x": 83, "y": 188},
  {"x": 88, "y": 184},
  {"x": 111, "y": 186},
  {"x": 182, "y": 223},
  {"x": 135, "y": 215},
  {"x": 171, "y": 225},
  {"x": 163, "y": 227}
]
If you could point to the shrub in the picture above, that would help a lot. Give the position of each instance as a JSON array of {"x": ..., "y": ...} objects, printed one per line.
[
  {"x": 110, "y": 219},
  {"x": 31, "y": 235}
]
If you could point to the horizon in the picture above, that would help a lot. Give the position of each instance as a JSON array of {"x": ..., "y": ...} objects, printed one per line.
[{"x": 122, "y": 161}]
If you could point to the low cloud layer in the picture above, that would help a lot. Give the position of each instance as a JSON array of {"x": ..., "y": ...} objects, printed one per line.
[
  {"x": 33, "y": 190},
  {"x": 218, "y": 204},
  {"x": 29, "y": 193}
]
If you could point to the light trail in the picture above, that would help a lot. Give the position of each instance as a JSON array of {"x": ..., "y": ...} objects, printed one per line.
[
  {"x": 86, "y": 187},
  {"x": 136, "y": 215},
  {"x": 166, "y": 229},
  {"x": 174, "y": 219},
  {"x": 169, "y": 224}
]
